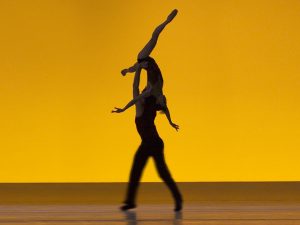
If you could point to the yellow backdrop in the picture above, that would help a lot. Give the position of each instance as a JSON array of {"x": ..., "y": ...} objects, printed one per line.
[{"x": 232, "y": 79}]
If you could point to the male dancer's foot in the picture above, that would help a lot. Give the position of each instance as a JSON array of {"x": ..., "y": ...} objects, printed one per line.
[
  {"x": 178, "y": 206},
  {"x": 127, "y": 206}
]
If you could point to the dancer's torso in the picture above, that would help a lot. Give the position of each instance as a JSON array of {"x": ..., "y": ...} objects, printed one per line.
[
  {"x": 153, "y": 71},
  {"x": 145, "y": 123}
]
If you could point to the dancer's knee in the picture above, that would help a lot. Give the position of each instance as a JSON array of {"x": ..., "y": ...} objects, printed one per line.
[
  {"x": 158, "y": 30},
  {"x": 165, "y": 176}
]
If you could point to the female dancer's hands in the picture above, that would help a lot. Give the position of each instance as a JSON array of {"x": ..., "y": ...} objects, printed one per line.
[
  {"x": 175, "y": 126},
  {"x": 117, "y": 110}
]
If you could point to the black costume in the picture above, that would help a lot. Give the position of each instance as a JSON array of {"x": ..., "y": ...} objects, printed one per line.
[{"x": 152, "y": 145}]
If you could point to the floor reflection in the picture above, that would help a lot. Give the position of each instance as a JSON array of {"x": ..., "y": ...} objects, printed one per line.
[
  {"x": 177, "y": 218},
  {"x": 131, "y": 218}
]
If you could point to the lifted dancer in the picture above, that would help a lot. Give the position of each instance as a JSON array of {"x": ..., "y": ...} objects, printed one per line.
[{"x": 154, "y": 77}]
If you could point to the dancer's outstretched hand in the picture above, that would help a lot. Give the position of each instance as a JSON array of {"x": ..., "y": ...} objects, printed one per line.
[
  {"x": 175, "y": 126},
  {"x": 124, "y": 71},
  {"x": 117, "y": 110}
]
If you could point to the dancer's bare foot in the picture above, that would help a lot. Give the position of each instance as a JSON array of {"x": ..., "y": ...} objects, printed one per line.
[{"x": 172, "y": 15}]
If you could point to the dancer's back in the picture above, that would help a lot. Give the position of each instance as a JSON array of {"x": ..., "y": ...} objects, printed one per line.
[
  {"x": 154, "y": 80},
  {"x": 154, "y": 76},
  {"x": 153, "y": 72}
]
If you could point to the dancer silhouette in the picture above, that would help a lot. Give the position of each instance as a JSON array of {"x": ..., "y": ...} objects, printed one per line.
[
  {"x": 147, "y": 104},
  {"x": 154, "y": 76},
  {"x": 152, "y": 146}
]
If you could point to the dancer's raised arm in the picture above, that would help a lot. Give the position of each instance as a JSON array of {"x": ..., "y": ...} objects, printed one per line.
[
  {"x": 136, "y": 81},
  {"x": 136, "y": 93}
]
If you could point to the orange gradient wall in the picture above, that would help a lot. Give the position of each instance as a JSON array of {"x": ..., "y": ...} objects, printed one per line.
[{"x": 232, "y": 79}]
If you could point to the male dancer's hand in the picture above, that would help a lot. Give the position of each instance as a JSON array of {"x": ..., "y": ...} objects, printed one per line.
[
  {"x": 175, "y": 126},
  {"x": 117, "y": 110}
]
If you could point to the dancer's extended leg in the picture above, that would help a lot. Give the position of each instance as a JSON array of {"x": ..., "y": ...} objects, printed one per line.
[{"x": 151, "y": 44}]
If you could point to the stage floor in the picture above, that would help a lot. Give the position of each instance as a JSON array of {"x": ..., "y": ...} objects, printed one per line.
[
  {"x": 152, "y": 214},
  {"x": 215, "y": 203}
]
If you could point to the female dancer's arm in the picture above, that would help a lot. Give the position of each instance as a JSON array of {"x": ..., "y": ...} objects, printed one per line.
[
  {"x": 131, "y": 69},
  {"x": 134, "y": 68},
  {"x": 163, "y": 103},
  {"x": 167, "y": 112}
]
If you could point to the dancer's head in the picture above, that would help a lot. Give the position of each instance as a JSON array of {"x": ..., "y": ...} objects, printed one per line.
[{"x": 160, "y": 102}]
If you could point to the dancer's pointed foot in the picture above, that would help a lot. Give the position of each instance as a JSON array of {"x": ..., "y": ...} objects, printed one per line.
[
  {"x": 127, "y": 207},
  {"x": 172, "y": 15},
  {"x": 178, "y": 206}
]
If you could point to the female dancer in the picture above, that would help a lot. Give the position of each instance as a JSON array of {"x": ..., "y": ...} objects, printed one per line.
[
  {"x": 154, "y": 76},
  {"x": 152, "y": 145}
]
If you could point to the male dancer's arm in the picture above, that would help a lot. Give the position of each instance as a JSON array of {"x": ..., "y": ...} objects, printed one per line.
[
  {"x": 134, "y": 101},
  {"x": 136, "y": 94},
  {"x": 136, "y": 81}
]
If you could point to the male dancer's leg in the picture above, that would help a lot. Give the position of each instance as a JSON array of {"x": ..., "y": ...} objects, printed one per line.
[
  {"x": 139, "y": 162},
  {"x": 165, "y": 174}
]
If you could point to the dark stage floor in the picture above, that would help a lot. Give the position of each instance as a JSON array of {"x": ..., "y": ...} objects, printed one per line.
[{"x": 272, "y": 203}]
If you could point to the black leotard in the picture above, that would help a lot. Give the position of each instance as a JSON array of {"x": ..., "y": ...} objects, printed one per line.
[{"x": 145, "y": 123}]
